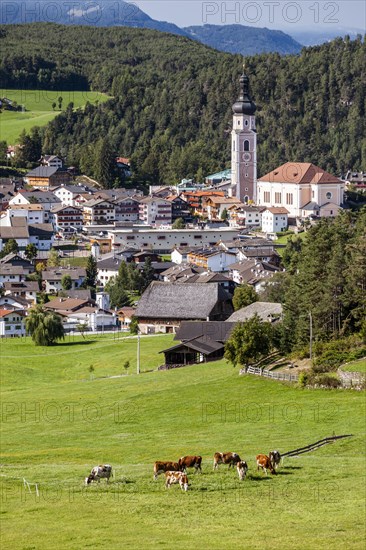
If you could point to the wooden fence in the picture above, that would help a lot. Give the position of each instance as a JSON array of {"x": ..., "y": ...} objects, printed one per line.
[{"x": 269, "y": 374}]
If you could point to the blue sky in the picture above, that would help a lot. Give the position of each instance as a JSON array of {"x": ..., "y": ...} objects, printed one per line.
[{"x": 276, "y": 14}]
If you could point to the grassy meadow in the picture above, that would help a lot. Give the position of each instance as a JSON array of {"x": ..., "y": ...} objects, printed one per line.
[
  {"x": 38, "y": 109},
  {"x": 57, "y": 423}
]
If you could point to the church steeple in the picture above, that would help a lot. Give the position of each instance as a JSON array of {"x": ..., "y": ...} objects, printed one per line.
[
  {"x": 244, "y": 144},
  {"x": 244, "y": 104}
]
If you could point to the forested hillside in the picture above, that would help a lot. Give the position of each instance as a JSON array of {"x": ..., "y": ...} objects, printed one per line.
[{"x": 172, "y": 97}]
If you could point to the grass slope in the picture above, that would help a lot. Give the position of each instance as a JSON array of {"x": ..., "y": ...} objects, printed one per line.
[
  {"x": 38, "y": 109},
  {"x": 57, "y": 424},
  {"x": 356, "y": 366}
]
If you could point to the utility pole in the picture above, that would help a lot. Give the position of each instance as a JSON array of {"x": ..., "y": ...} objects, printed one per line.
[
  {"x": 138, "y": 353},
  {"x": 311, "y": 336}
]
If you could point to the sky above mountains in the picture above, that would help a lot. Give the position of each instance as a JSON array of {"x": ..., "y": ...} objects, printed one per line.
[{"x": 321, "y": 15}]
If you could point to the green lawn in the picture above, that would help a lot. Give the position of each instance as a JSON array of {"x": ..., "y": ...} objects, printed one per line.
[
  {"x": 57, "y": 424},
  {"x": 356, "y": 366},
  {"x": 38, "y": 109}
]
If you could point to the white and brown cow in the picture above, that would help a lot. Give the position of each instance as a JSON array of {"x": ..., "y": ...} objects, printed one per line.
[
  {"x": 176, "y": 477},
  {"x": 160, "y": 467},
  {"x": 190, "y": 462},
  {"x": 242, "y": 468},
  {"x": 264, "y": 462},
  {"x": 103, "y": 471},
  {"x": 275, "y": 458},
  {"x": 225, "y": 458}
]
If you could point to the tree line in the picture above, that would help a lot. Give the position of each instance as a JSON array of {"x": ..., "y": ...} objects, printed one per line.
[{"x": 171, "y": 107}]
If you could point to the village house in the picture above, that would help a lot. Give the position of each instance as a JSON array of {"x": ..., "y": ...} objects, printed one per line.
[
  {"x": 295, "y": 185},
  {"x": 155, "y": 211},
  {"x": 11, "y": 323},
  {"x": 69, "y": 193},
  {"x": 200, "y": 342},
  {"x": 180, "y": 272},
  {"x": 45, "y": 177},
  {"x": 51, "y": 160},
  {"x": 180, "y": 209},
  {"x": 24, "y": 289},
  {"x": 213, "y": 259},
  {"x": 215, "y": 206},
  {"x": 78, "y": 311},
  {"x": 13, "y": 302},
  {"x": 33, "y": 213},
  {"x": 253, "y": 272},
  {"x": 163, "y": 306},
  {"x": 46, "y": 199},
  {"x": 249, "y": 216},
  {"x": 15, "y": 260},
  {"x": 98, "y": 211},
  {"x": 266, "y": 311},
  {"x": 108, "y": 269},
  {"x": 274, "y": 219},
  {"x": 17, "y": 230},
  {"x": 127, "y": 209},
  {"x": 197, "y": 200},
  {"x": 164, "y": 240},
  {"x": 52, "y": 278},
  {"x": 125, "y": 315},
  {"x": 41, "y": 235},
  {"x": 67, "y": 219}
]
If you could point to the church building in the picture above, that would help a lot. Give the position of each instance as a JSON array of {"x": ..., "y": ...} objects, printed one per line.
[{"x": 244, "y": 145}]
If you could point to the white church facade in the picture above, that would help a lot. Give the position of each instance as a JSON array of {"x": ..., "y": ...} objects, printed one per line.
[{"x": 303, "y": 189}]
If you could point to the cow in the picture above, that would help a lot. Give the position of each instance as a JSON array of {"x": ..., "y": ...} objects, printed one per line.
[
  {"x": 275, "y": 458},
  {"x": 263, "y": 461},
  {"x": 176, "y": 477},
  {"x": 242, "y": 468},
  {"x": 160, "y": 467},
  {"x": 98, "y": 473},
  {"x": 190, "y": 462},
  {"x": 225, "y": 458}
]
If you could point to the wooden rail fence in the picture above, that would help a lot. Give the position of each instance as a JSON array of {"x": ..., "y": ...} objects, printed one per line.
[{"x": 269, "y": 374}]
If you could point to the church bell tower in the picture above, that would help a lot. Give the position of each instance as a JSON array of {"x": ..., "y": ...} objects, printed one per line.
[{"x": 244, "y": 145}]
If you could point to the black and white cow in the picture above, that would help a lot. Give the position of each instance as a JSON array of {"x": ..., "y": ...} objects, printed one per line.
[
  {"x": 98, "y": 473},
  {"x": 275, "y": 458}
]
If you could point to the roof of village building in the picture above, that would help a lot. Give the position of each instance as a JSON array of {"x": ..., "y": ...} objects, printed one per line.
[
  {"x": 180, "y": 301},
  {"x": 56, "y": 273},
  {"x": 95, "y": 202},
  {"x": 21, "y": 300},
  {"x": 147, "y": 200},
  {"x": 252, "y": 271},
  {"x": 110, "y": 263},
  {"x": 225, "y": 200},
  {"x": 23, "y": 286},
  {"x": 277, "y": 210},
  {"x": 44, "y": 172},
  {"x": 14, "y": 258},
  {"x": 8, "y": 269},
  {"x": 61, "y": 207},
  {"x": 259, "y": 252},
  {"x": 25, "y": 207},
  {"x": 299, "y": 173},
  {"x": 267, "y": 311},
  {"x": 17, "y": 230},
  {"x": 210, "y": 251},
  {"x": 177, "y": 271},
  {"x": 41, "y": 230},
  {"x": 5, "y": 312},
  {"x": 39, "y": 196},
  {"x": 206, "y": 278},
  {"x": 67, "y": 304},
  {"x": 78, "y": 294}
]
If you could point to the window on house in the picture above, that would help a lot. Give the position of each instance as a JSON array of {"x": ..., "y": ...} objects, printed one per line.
[
  {"x": 329, "y": 195},
  {"x": 278, "y": 198},
  {"x": 246, "y": 145},
  {"x": 289, "y": 198},
  {"x": 266, "y": 196}
]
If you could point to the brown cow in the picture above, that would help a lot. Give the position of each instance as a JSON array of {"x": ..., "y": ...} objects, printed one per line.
[
  {"x": 190, "y": 462},
  {"x": 160, "y": 467},
  {"x": 176, "y": 477},
  {"x": 242, "y": 468},
  {"x": 264, "y": 462},
  {"x": 225, "y": 458}
]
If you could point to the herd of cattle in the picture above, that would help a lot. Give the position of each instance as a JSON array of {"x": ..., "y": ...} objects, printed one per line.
[{"x": 176, "y": 472}]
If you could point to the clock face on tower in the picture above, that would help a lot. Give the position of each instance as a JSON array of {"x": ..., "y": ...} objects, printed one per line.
[{"x": 246, "y": 157}]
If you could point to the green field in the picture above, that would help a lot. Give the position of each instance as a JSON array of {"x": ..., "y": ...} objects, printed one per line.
[
  {"x": 57, "y": 424},
  {"x": 38, "y": 109},
  {"x": 356, "y": 366}
]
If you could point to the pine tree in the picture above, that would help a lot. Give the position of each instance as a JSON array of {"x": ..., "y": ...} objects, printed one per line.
[{"x": 105, "y": 167}]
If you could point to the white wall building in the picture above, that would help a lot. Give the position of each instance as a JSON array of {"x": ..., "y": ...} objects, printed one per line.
[
  {"x": 33, "y": 213},
  {"x": 164, "y": 240},
  {"x": 274, "y": 219},
  {"x": 11, "y": 323},
  {"x": 155, "y": 210},
  {"x": 298, "y": 186}
]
